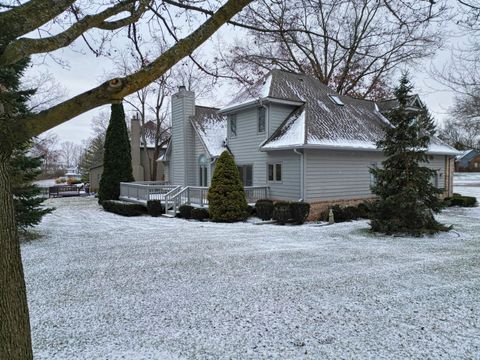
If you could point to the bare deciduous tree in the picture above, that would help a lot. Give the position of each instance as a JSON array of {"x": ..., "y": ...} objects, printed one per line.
[
  {"x": 352, "y": 46},
  {"x": 61, "y": 23}
]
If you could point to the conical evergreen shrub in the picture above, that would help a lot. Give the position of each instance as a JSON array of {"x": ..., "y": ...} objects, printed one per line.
[
  {"x": 117, "y": 160},
  {"x": 226, "y": 197},
  {"x": 407, "y": 199}
]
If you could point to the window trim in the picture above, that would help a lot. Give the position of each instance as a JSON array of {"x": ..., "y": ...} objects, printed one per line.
[{"x": 275, "y": 164}]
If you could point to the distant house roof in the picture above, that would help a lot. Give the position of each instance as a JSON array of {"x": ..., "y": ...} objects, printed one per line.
[
  {"x": 211, "y": 129},
  {"x": 467, "y": 155},
  {"x": 323, "y": 118}
]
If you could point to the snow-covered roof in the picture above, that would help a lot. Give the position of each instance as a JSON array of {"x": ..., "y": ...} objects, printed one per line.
[
  {"x": 211, "y": 129},
  {"x": 326, "y": 118},
  {"x": 464, "y": 154}
]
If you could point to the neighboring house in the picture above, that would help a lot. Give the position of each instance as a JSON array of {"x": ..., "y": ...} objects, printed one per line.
[
  {"x": 468, "y": 161},
  {"x": 293, "y": 134},
  {"x": 142, "y": 159}
]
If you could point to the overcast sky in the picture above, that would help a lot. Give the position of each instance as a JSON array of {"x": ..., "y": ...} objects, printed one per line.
[{"x": 84, "y": 71}]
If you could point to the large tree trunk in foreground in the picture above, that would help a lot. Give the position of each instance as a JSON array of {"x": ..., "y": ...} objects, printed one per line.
[{"x": 14, "y": 321}]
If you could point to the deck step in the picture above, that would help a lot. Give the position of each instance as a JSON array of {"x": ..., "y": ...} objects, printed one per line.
[{"x": 168, "y": 215}]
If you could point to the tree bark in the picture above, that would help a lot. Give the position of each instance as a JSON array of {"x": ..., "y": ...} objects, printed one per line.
[{"x": 15, "y": 340}]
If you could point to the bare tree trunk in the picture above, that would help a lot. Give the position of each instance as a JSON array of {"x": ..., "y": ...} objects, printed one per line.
[{"x": 15, "y": 340}]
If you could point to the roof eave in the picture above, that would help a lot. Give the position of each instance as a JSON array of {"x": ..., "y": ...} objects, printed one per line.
[{"x": 333, "y": 147}]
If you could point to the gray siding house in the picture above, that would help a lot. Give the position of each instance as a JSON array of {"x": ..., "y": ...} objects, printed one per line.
[{"x": 293, "y": 134}]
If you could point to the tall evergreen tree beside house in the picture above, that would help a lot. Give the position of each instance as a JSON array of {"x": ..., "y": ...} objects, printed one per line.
[
  {"x": 117, "y": 159},
  {"x": 406, "y": 195},
  {"x": 226, "y": 196}
]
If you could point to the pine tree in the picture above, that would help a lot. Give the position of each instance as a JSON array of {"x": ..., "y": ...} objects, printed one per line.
[
  {"x": 407, "y": 199},
  {"x": 23, "y": 168},
  {"x": 26, "y": 195},
  {"x": 117, "y": 160},
  {"x": 226, "y": 196}
]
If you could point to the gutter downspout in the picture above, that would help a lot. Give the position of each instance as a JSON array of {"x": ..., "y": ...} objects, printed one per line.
[{"x": 302, "y": 173}]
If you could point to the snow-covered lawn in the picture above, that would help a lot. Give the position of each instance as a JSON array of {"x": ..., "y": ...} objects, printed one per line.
[{"x": 102, "y": 286}]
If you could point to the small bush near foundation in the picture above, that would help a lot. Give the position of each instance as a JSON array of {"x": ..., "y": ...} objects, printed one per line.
[
  {"x": 185, "y": 211},
  {"x": 123, "y": 208},
  {"x": 264, "y": 209},
  {"x": 300, "y": 211},
  {"x": 282, "y": 212},
  {"x": 200, "y": 214},
  {"x": 251, "y": 211},
  {"x": 460, "y": 200},
  {"x": 348, "y": 213},
  {"x": 155, "y": 208}
]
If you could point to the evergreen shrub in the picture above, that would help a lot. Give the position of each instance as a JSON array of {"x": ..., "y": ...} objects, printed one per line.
[
  {"x": 226, "y": 196},
  {"x": 185, "y": 211},
  {"x": 460, "y": 200},
  {"x": 264, "y": 209},
  {"x": 200, "y": 214},
  {"x": 155, "y": 208},
  {"x": 282, "y": 212},
  {"x": 300, "y": 211},
  {"x": 123, "y": 208}
]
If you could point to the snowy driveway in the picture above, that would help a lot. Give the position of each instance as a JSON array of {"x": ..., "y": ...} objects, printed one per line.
[{"x": 105, "y": 287}]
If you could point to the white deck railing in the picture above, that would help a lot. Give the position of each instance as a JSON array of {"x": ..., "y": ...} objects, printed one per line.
[
  {"x": 175, "y": 196},
  {"x": 144, "y": 191}
]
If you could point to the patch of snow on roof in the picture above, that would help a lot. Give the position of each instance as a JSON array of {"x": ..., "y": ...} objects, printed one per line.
[
  {"x": 256, "y": 92},
  {"x": 293, "y": 135},
  {"x": 213, "y": 131},
  {"x": 323, "y": 106}
]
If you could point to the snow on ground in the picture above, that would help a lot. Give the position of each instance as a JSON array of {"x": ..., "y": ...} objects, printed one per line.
[{"x": 106, "y": 287}]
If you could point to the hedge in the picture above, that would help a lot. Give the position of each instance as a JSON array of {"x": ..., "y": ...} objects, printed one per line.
[
  {"x": 155, "y": 208},
  {"x": 185, "y": 211},
  {"x": 460, "y": 200},
  {"x": 199, "y": 214},
  {"x": 300, "y": 211},
  {"x": 348, "y": 213},
  {"x": 282, "y": 212},
  {"x": 264, "y": 209},
  {"x": 123, "y": 208}
]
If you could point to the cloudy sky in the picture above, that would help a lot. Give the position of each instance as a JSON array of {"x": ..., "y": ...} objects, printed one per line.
[{"x": 81, "y": 70}]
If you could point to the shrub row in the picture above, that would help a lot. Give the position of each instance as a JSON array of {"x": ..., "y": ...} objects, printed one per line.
[
  {"x": 155, "y": 208},
  {"x": 123, "y": 208},
  {"x": 190, "y": 212},
  {"x": 460, "y": 200},
  {"x": 282, "y": 211},
  {"x": 347, "y": 213}
]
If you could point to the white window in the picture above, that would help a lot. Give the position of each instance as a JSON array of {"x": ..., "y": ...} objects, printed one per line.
[
  {"x": 336, "y": 99},
  {"x": 275, "y": 172},
  {"x": 203, "y": 170},
  {"x": 261, "y": 120},
  {"x": 476, "y": 165},
  {"x": 233, "y": 125}
]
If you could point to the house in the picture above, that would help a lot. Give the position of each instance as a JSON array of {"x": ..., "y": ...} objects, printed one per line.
[
  {"x": 468, "y": 161},
  {"x": 143, "y": 158},
  {"x": 293, "y": 134}
]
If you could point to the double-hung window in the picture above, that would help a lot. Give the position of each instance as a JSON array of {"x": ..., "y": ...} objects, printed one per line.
[{"x": 275, "y": 172}]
